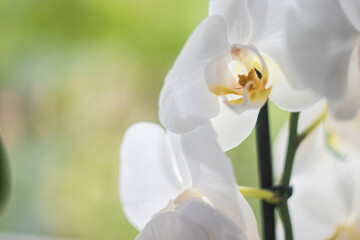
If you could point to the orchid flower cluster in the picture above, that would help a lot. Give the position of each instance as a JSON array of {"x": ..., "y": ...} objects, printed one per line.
[{"x": 304, "y": 56}]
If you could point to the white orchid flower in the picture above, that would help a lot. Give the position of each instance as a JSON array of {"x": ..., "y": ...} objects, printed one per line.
[
  {"x": 326, "y": 197},
  {"x": 326, "y": 184},
  {"x": 159, "y": 170},
  {"x": 323, "y": 40},
  {"x": 215, "y": 76},
  {"x": 340, "y": 136},
  {"x": 191, "y": 220}
]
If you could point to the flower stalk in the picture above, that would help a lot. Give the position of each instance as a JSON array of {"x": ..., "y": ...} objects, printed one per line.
[
  {"x": 291, "y": 149},
  {"x": 285, "y": 219},
  {"x": 265, "y": 170},
  {"x": 293, "y": 144},
  {"x": 294, "y": 141}
]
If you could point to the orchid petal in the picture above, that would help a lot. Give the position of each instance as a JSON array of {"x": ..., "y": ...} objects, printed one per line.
[
  {"x": 148, "y": 179},
  {"x": 232, "y": 128},
  {"x": 218, "y": 224},
  {"x": 314, "y": 218},
  {"x": 349, "y": 106},
  {"x": 174, "y": 226},
  {"x": 237, "y": 15},
  {"x": 352, "y": 11},
  {"x": 310, "y": 115},
  {"x": 192, "y": 219},
  {"x": 354, "y": 166},
  {"x": 346, "y": 132},
  {"x": 305, "y": 155},
  {"x": 267, "y": 18},
  {"x": 213, "y": 176},
  {"x": 185, "y": 101},
  {"x": 315, "y": 208},
  {"x": 219, "y": 79},
  {"x": 326, "y": 192},
  {"x": 268, "y": 34},
  {"x": 320, "y": 43},
  {"x": 285, "y": 96}
]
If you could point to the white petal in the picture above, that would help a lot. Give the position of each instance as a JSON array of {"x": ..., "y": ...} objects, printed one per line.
[
  {"x": 285, "y": 96},
  {"x": 305, "y": 226},
  {"x": 268, "y": 18},
  {"x": 305, "y": 155},
  {"x": 185, "y": 101},
  {"x": 321, "y": 200},
  {"x": 172, "y": 226},
  {"x": 232, "y": 128},
  {"x": 311, "y": 114},
  {"x": 219, "y": 225},
  {"x": 218, "y": 75},
  {"x": 259, "y": 17},
  {"x": 352, "y": 10},
  {"x": 354, "y": 165},
  {"x": 237, "y": 15},
  {"x": 346, "y": 133},
  {"x": 212, "y": 175},
  {"x": 349, "y": 106},
  {"x": 324, "y": 186},
  {"x": 268, "y": 32},
  {"x": 320, "y": 43},
  {"x": 148, "y": 179}
]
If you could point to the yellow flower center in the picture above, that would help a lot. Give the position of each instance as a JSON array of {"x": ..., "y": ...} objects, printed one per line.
[
  {"x": 248, "y": 84},
  {"x": 251, "y": 78},
  {"x": 252, "y": 86}
]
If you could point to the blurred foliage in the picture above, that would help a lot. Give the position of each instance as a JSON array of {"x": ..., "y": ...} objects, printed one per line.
[{"x": 74, "y": 74}]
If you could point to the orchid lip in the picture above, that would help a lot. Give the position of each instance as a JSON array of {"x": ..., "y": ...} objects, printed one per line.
[{"x": 247, "y": 85}]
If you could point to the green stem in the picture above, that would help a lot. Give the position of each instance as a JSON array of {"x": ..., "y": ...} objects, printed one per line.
[
  {"x": 293, "y": 144},
  {"x": 285, "y": 218},
  {"x": 4, "y": 178},
  {"x": 265, "y": 170},
  {"x": 285, "y": 180},
  {"x": 291, "y": 150}
]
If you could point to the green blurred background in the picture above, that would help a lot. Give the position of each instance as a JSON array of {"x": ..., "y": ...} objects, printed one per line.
[{"x": 74, "y": 74}]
